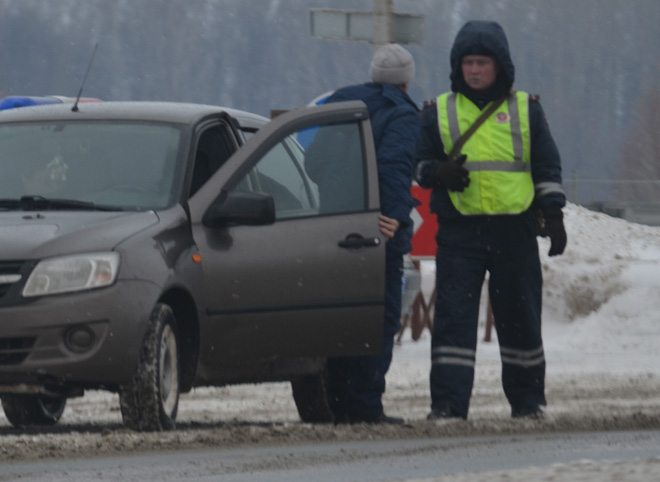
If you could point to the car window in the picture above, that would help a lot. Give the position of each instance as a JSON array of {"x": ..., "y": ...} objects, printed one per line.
[
  {"x": 323, "y": 174},
  {"x": 123, "y": 165},
  {"x": 334, "y": 161}
]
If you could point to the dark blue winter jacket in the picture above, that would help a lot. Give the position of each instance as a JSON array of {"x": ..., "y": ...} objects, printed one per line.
[{"x": 395, "y": 123}]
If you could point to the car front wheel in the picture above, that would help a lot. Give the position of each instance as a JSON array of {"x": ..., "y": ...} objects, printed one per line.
[
  {"x": 149, "y": 402},
  {"x": 32, "y": 410}
]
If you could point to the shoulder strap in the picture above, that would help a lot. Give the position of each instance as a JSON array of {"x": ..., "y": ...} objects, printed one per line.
[{"x": 458, "y": 145}]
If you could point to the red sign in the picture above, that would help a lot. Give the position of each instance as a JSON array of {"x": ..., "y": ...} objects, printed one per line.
[{"x": 426, "y": 225}]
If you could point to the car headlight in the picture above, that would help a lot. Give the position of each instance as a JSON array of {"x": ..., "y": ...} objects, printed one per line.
[{"x": 72, "y": 273}]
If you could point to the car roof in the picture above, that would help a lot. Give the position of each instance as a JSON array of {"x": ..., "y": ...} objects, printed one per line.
[{"x": 150, "y": 111}]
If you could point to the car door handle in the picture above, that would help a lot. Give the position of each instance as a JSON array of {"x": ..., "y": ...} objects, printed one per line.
[{"x": 354, "y": 241}]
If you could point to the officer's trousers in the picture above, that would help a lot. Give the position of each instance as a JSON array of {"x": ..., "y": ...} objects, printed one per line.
[{"x": 505, "y": 246}]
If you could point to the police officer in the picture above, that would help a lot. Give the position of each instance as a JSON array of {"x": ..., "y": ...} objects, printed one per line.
[{"x": 485, "y": 198}]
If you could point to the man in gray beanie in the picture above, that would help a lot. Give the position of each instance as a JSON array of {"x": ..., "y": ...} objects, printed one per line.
[{"x": 356, "y": 385}]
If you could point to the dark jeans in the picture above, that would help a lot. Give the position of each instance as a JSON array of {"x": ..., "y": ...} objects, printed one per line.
[{"x": 356, "y": 384}]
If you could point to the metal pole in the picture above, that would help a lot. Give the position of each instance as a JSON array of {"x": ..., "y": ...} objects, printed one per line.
[{"x": 383, "y": 15}]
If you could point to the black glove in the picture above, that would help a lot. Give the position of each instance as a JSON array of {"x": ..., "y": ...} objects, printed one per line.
[
  {"x": 553, "y": 227},
  {"x": 452, "y": 175}
]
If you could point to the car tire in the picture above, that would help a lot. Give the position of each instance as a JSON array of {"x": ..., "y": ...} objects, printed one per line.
[
  {"x": 311, "y": 397},
  {"x": 149, "y": 402},
  {"x": 32, "y": 410}
]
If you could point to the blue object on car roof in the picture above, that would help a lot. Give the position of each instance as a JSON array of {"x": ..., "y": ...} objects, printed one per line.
[{"x": 13, "y": 101}]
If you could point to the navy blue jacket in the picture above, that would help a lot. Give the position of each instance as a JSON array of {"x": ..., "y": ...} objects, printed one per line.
[
  {"x": 396, "y": 124},
  {"x": 487, "y": 38}
]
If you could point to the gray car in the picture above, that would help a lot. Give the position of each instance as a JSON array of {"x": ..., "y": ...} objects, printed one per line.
[{"x": 147, "y": 248}]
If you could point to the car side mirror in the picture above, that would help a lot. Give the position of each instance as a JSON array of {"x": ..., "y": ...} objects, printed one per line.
[{"x": 240, "y": 207}]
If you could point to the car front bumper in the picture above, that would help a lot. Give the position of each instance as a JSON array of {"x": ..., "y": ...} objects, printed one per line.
[{"x": 88, "y": 338}]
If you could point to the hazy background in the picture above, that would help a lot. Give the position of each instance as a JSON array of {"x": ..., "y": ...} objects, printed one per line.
[{"x": 595, "y": 64}]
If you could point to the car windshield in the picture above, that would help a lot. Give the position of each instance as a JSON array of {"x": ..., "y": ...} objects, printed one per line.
[{"x": 110, "y": 164}]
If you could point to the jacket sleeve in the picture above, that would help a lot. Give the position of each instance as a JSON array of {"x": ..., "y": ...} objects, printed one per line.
[
  {"x": 546, "y": 161},
  {"x": 429, "y": 147},
  {"x": 395, "y": 154}
]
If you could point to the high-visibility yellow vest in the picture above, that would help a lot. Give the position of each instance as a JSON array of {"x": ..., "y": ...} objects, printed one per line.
[{"x": 498, "y": 154}]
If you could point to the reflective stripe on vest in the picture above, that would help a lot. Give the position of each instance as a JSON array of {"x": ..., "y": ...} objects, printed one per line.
[{"x": 498, "y": 154}]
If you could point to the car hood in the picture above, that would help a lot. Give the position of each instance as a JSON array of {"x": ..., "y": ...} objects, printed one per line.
[{"x": 34, "y": 235}]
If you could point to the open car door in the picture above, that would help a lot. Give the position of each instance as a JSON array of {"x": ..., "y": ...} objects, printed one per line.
[{"x": 287, "y": 230}]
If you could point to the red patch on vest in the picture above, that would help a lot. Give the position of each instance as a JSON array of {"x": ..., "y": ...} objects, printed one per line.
[{"x": 502, "y": 118}]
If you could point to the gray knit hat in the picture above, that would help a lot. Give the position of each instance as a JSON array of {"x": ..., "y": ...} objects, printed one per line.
[{"x": 392, "y": 64}]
